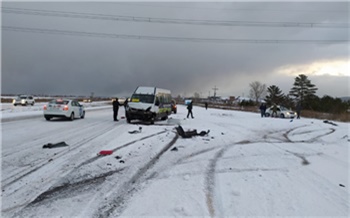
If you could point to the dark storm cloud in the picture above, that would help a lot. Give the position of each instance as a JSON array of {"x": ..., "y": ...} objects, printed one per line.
[{"x": 70, "y": 64}]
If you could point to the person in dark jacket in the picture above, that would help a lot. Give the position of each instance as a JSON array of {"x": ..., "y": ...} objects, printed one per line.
[
  {"x": 206, "y": 105},
  {"x": 298, "y": 109},
  {"x": 262, "y": 109},
  {"x": 126, "y": 103},
  {"x": 116, "y": 105},
  {"x": 274, "y": 110},
  {"x": 189, "y": 108}
]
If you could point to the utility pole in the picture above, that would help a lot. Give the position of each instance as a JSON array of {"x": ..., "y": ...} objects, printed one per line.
[{"x": 215, "y": 91}]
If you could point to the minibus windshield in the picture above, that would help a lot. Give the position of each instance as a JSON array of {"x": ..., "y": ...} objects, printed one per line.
[{"x": 144, "y": 98}]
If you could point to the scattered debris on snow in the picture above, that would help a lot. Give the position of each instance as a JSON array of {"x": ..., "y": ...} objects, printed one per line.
[
  {"x": 136, "y": 131},
  {"x": 55, "y": 145},
  {"x": 190, "y": 133},
  {"x": 174, "y": 149},
  {"x": 329, "y": 122},
  {"x": 105, "y": 152}
]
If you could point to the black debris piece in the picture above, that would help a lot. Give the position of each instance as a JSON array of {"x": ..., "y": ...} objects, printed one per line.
[
  {"x": 56, "y": 145},
  {"x": 174, "y": 149},
  {"x": 341, "y": 185},
  {"x": 203, "y": 133},
  {"x": 136, "y": 131},
  {"x": 329, "y": 122},
  {"x": 118, "y": 157},
  {"x": 190, "y": 133},
  {"x": 121, "y": 161}
]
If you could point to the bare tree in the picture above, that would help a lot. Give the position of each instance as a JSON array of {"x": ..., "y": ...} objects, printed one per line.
[
  {"x": 257, "y": 90},
  {"x": 196, "y": 95}
]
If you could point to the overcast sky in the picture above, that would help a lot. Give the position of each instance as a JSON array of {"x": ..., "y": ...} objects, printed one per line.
[{"x": 111, "y": 48}]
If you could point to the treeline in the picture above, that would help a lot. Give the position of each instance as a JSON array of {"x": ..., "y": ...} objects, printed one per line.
[{"x": 303, "y": 92}]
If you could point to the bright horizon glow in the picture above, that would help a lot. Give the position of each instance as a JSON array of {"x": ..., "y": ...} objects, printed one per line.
[{"x": 321, "y": 68}]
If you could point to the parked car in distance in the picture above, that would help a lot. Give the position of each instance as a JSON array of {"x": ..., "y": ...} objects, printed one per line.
[
  {"x": 65, "y": 108},
  {"x": 173, "y": 106},
  {"x": 23, "y": 100},
  {"x": 282, "y": 112}
]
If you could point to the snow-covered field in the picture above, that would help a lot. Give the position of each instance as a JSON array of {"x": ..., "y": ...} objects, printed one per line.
[{"x": 246, "y": 166}]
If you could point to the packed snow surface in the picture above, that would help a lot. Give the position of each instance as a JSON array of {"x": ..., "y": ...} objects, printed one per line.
[{"x": 245, "y": 166}]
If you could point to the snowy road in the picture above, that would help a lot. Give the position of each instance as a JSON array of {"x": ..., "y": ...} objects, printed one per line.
[{"x": 246, "y": 166}]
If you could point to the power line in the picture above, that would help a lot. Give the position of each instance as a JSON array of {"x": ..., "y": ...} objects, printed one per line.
[
  {"x": 234, "y": 9},
  {"x": 171, "y": 21},
  {"x": 165, "y": 38}
]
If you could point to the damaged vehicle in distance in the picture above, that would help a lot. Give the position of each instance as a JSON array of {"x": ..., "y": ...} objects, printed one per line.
[
  {"x": 64, "y": 108},
  {"x": 282, "y": 112}
]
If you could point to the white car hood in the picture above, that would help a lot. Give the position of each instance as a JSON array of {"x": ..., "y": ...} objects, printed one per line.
[{"x": 139, "y": 105}]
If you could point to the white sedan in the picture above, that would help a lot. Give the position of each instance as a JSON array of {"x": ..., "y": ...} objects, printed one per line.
[
  {"x": 65, "y": 108},
  {"x": 282, "y": 112}
]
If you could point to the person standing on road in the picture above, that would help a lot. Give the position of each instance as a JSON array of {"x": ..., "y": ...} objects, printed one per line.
[
  {"x": 262, "y": 109},
  {"x": 115, "y": 109},
  {"x": 189, "y": 108},
  {"x": 274, "y": 110},
  {"x": 126, "y": 103},
  {"x": 298, "y": 109},
  {"x": 206, "y": 105}
]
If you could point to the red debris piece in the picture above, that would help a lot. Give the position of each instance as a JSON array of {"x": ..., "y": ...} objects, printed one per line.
[{"x": 105, "y": 152}]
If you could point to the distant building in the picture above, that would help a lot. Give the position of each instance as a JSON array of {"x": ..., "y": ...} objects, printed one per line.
[{"x": 240, "y": 99}]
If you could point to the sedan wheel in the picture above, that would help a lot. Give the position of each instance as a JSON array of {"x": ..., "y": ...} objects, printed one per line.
[
  {"x": 83, "y": 115},
  {"x": 282, "y": 115},
  {"x": 71, "y": 118}
]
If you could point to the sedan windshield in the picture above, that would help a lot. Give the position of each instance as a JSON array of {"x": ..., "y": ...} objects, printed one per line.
[{"x": 142, "y": 98}]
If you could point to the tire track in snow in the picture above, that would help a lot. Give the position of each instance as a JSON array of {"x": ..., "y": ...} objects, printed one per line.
[
  {"x": 313, "y": 139},
  {"x": 126, "y": 190},
  {"x": 41, "y": 139},
  {"x": 304, "y": 160},
  {"x": 210, "y": 174},
  {"x": 9, "y": 181},
  {"x": 57, "y": 191},
  {"x": 210, "y": 178},
  {"x": 63, "y": 191},
  {"x": 91, "y": 160},
  {"x": 46, "y": 160}
]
